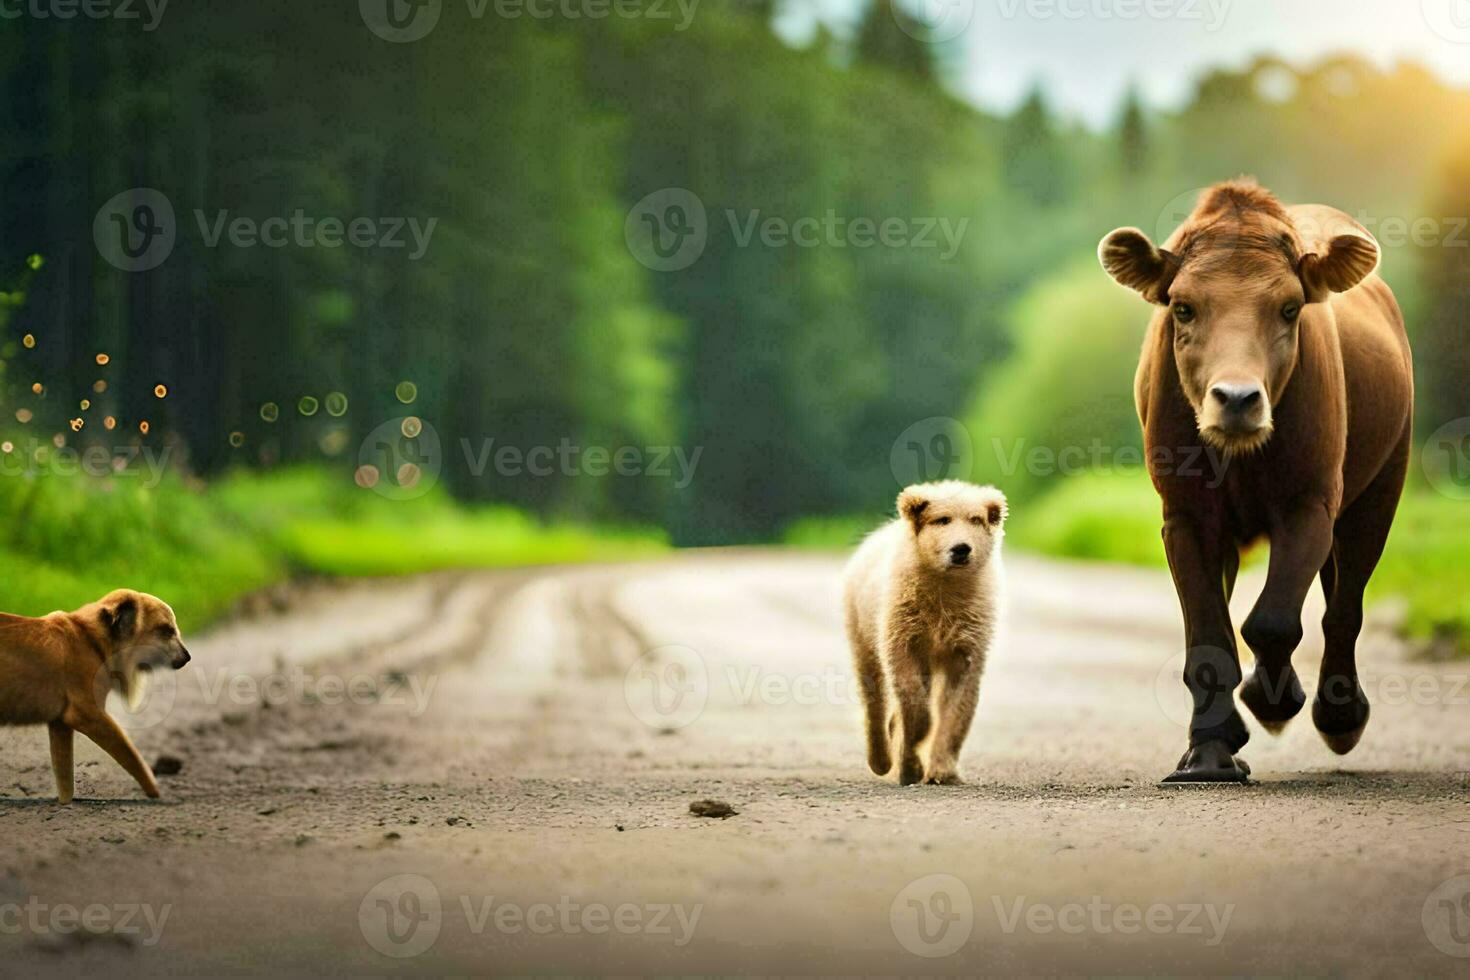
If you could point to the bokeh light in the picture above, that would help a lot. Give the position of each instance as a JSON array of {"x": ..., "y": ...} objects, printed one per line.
[
  {"x": 366, "y": 476},
  {"x": 143, "y": 427},
  {"x": 160, "y": 391},
  {"x": 103, "y": 358},
  {"x": 29, "y": 340},
  {"x": 406, "y": 391},
  {"x": 270, "y": 411},
  {"x": 308, "y": 405},
  {"x": 336, "y": 404},
  {"x": 23, "y": 415},
  {"x": 411, "y": 427},
  {"x": 237, "y": 439}
]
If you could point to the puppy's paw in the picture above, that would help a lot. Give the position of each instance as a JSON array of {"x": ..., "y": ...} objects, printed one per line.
[
  {"x": 943, "y": 777},
  {"x": 910, "y": 772}
]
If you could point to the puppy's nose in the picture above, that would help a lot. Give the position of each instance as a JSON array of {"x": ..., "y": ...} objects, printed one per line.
[
  {"x": 182, "y": 658},
  {"x": 960, "y": 552},
  {"x": 1237, "y": 399}
]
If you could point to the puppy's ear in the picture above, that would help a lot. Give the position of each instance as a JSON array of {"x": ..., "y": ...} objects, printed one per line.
[
  {"x": 121, "y": 618},
  {"x": 911, "y": 504},
  {"x": 1349, "y": 260},
  {"x": 996, "y": 511},
  {"x": 1133, "y": 261}
]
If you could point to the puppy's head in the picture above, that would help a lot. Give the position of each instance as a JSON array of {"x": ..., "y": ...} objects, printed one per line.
[
  {"x": 955, "y": 525},
  {"x": 142, "y": 630}
]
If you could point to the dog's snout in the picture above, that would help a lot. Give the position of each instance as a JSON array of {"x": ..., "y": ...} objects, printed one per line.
[
  {"x": 959, "y": 554},
  {"x": 182, "y": 658},
  {"x": 1236, "y": 399}
]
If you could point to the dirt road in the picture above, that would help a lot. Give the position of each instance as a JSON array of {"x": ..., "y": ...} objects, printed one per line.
[{"x": 493, "y": 771}]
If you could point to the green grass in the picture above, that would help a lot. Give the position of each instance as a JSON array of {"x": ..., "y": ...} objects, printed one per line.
[{"x": 68, "y": 539}]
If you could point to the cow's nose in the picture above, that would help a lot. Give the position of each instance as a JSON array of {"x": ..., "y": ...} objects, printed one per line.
[{"x": 1236, "y": 398}]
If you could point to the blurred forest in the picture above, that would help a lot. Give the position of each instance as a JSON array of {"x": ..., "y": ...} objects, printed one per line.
[{"x": 529, "y": 320}]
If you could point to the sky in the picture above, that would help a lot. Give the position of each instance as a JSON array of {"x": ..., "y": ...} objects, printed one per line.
[{"x": 1087, "y": 52}]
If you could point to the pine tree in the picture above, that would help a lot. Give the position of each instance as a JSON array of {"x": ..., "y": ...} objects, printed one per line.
[{"x": 883, "y": 41}]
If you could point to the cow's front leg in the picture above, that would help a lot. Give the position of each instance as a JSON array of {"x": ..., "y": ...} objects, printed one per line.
[
  {"x": 1301, "y": 541},
  {"x": 1211, "y": 668}
]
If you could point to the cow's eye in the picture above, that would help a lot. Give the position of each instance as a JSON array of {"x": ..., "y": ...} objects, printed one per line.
[
  {"x": 1183, "y": 313},
  {"x": 1291, "y": 311},
  {"x": 940, "y": 521}
]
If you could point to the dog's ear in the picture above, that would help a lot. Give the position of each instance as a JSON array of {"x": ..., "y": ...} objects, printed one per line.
[
  {"x": 996, "y": 509},
  {"x": 911, "y": 504},
  {"x": 120, "y": 617},
  {"x": 1133, "y": 261},
  {"x": 1349, "y": 260}
]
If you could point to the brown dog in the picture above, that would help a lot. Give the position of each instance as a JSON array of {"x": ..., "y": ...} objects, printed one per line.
[
  {"x": 57, "y": 670},
  {"x": 1276, "y": 344}
]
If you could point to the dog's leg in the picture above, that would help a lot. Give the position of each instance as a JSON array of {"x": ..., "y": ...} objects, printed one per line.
[
  {"x": 115, "y": 742},
  {"x": 911, "y": 685},
  {"x": 875, "y": 704},
  {"x": 61, "y": 760},
  {"x": 958, "y": 697}
]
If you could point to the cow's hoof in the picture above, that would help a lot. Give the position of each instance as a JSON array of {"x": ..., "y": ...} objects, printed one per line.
[
  {"x": 1209, "y": 762},
  {"x": 1341, "y": 723},
  {"x": 1273, "y": 700}
]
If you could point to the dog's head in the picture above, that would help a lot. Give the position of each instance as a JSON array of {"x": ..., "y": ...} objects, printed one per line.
[
  {"x": 141, "y": 630},
  {"x": 955, "y": 525}
]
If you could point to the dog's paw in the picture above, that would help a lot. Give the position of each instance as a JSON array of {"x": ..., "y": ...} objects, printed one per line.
[{"x": 943, "y": 777}]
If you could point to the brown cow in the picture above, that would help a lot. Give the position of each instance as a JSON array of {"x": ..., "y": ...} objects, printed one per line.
[{"x": 1277, "y": 346}]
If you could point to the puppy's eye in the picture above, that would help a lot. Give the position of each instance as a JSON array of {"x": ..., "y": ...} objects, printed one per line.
[
  {"x": 1183, "y": 313},
  {"x": 977, "y": 519},
  {"x": 165, "y": 631},
  {"x": 940, "y": 521},
  {"x": 1291, "y": 311}
]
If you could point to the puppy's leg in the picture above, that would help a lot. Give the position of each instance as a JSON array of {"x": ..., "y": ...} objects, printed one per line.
[
  {"x": 101, "y": 729},
  {"x": 875, "y": 704},
  {"x": 911, "y": 685},
  {"x": 61, "y": 760},
  {"x": 958, "y": 697}
]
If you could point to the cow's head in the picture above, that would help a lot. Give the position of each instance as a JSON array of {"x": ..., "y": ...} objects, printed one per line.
[{"x": 1236, "y": 278}]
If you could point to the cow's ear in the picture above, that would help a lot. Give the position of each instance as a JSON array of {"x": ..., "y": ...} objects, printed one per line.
[
  {"x": 911, "y": 505},
  {"x": 1134, "y": 261},
  {"x": 1348, "y": 261}
]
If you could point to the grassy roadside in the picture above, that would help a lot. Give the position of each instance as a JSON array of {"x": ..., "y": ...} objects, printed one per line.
[
  {"x": 1115, "y": 517},
  {"x": 69, "y": 538}
]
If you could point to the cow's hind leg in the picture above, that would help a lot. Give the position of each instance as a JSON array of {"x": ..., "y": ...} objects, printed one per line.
[{"x": 1340, "y": 709}]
